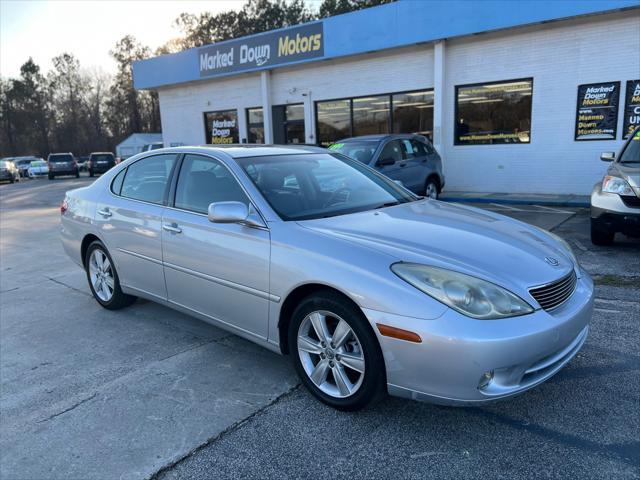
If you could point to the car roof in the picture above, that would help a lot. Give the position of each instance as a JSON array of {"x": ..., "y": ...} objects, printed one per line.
[
  {"x": 379, "y": 137},
  {"x": 246, "y": 150}
]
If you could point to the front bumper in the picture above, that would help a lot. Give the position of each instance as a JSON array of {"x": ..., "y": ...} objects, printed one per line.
[
  {"x": 456, "y": 351},
  {"x": 613, "y": 214}
]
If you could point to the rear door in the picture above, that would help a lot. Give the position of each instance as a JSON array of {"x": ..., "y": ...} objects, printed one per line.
[
  {"x": 129, "y": 219},
  {"x": 219, "y": 270}
]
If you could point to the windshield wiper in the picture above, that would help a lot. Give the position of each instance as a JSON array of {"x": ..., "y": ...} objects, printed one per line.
[{"x": 388, "y": 204}]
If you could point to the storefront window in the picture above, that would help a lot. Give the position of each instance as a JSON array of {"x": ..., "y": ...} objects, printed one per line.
[
  {"x": 371, "y": 115},
  {"x": 255, "y": 125},
  {"x": 221, "y": 127},
  {"x": 413, "y": 112},
  {"x": 492, "y": 113},
  {"x": 333, "y": 121}
]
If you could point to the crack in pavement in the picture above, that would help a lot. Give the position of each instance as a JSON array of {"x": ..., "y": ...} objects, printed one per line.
[
  {"x": 72, "y": 407},
  {"x": 227, "y": 431}
]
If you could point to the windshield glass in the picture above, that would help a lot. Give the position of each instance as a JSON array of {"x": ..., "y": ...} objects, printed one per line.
[
  {"x": 38, "y": 163},
  {"x": 361, "y": 150},
  {"x": 308, "y": 186},
  {"x": 631, "y": 154},
  {"x": 102, "y": 157},
  {"x": 62, "y": 157}
]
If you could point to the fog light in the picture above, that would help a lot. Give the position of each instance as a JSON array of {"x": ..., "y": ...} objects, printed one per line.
[{"x": 485, "y": 380}]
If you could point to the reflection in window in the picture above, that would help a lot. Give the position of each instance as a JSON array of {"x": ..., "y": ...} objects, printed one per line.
[
  {"x": 413, "y": 113},
  {"x": 334, "y": 121},
  {"x": 255, "y": 125},
  {"x": 491, "y": 113},
  {"x": 371, "y": 115}
]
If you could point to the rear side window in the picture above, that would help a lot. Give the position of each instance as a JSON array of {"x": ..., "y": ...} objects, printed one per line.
[
  {"x": 203, "y": 181},
  {"x": 116, "y": 185},
  {"x": 146, "y": 179}
]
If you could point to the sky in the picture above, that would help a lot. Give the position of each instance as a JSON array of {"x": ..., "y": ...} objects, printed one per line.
[{"x": 88, "y": 29}]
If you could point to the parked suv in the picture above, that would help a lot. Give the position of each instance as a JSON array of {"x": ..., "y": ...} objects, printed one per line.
[
  {"x": 62, "y": 164},
  {"x": 615, "y": 201},
  {"x": 8, "y": 171},
  {"x": 100, "y": 162},
  {"x": 410, "y": 159}
]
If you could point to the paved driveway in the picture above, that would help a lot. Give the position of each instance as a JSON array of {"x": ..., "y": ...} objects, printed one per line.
[{"x": 88, "y": 393}]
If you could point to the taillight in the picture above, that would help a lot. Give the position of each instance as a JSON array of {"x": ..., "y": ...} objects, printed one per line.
[{"x": 63, "y": 207}]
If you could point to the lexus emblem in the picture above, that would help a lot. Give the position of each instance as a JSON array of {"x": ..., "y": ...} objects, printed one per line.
[{"x": 552, "y": 261}]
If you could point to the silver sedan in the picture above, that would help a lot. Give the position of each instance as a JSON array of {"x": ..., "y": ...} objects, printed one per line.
[{"x": 369, "y": 288}]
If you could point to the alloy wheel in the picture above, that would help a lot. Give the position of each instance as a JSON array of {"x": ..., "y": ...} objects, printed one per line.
[
  {"x": 101, "y": 274},
  {"x": 331, "y": 354},
  {"x": 431, "y": 190}
]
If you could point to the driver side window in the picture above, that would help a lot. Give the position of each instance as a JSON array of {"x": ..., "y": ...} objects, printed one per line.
[
  {"x": 204, "y": 180},
  {"x": 391, "y": 150}
]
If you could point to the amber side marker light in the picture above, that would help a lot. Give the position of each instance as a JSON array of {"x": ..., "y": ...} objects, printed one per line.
[{"x": 398, "y": 333}]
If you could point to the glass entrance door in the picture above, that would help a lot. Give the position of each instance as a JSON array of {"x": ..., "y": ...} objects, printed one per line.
[{"x": 288, "y": 123}]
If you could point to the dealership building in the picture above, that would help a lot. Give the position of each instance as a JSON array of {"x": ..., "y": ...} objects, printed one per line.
[{"x": 517, "y": 96}]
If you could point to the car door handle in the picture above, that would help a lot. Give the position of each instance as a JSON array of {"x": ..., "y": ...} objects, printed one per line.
[
  {"x": 105, "y": 212},
  {"x": 172, "y": 228}
]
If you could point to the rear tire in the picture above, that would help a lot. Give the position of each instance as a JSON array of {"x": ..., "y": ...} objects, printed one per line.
[
  {"x": 103, "y": 278},
  {"x": 91, "y": 173},
  {"x": 51, "y": 177},
  {"x": 77, "y": 173},
  {"x": 600, "y": 235},
  {"x": 359, "y": 349}
]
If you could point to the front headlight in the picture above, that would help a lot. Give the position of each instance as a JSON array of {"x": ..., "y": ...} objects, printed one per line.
[
  {"x": 617, "y": 185},
  {"x": 468, "y": 295}
]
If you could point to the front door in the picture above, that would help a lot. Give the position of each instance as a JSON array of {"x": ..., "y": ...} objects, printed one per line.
[{"x": 219, "y": 270}]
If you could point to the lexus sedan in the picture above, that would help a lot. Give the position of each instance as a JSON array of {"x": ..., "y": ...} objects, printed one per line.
[{"x": 367, "y": 287}]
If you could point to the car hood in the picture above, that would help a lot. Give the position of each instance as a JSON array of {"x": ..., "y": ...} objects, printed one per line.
[{"x": 465, "y": 239}]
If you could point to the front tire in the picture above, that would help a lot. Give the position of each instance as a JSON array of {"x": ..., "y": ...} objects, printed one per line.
[
  {"x": 600, "y": 235},
  {"x": 77, "y": 173},
  {"x": 336, "y": 353},
  {"x": 431, "y": 188},
  {"x": 51, "y": 177},
  {"x": 103, "y": 278},
  {"x": 91, "y": 173}
]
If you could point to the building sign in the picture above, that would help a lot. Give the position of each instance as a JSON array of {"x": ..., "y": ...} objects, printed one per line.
[
  {"x": 631, "y": 108},
  {"x": 597, "y": 111},
  {"x": 262, "y": 51},
  {"x": 221, "y": 127}
]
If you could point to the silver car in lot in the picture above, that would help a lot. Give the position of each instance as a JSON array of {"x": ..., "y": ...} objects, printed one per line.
[{"x": 369, "y": 288}]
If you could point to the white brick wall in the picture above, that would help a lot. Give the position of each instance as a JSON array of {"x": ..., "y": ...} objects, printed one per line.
[{"x": 559, "y": 56}]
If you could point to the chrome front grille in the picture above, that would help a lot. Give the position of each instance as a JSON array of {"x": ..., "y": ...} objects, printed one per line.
[{"x": 554, "y": 294}]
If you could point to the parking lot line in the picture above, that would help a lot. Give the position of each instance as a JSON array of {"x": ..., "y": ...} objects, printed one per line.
[{"x": 555, "y": 210}]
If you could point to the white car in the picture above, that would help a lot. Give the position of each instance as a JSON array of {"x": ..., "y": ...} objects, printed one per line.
[{"x": 39, "y": 168}]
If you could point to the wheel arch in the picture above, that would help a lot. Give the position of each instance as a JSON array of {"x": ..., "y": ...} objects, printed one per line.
[
  {"x": 86, "y": 241},
  {"x": 434, "y": 176},
  {"x": 293, "y": 299}
]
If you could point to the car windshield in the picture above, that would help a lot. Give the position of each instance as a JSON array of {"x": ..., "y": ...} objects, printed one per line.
[
  {"x": 360, "y": 150},
  {"x": 38, "y": 163},
  {"x": 309, "y": 186},
  {"x": 61, "y": 158},
  {"x": 631, "y": 154},
  {"x": 102, "y": 157}
]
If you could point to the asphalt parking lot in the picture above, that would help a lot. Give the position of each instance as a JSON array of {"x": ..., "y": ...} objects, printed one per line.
[{"x": 148, "y": 392}]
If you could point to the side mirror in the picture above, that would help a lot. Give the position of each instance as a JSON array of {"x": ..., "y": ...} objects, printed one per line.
[
  {"x": 228, "y": 212},
  {"x": 386, "y": 161},
  {"x": 608, "y": 156}
]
